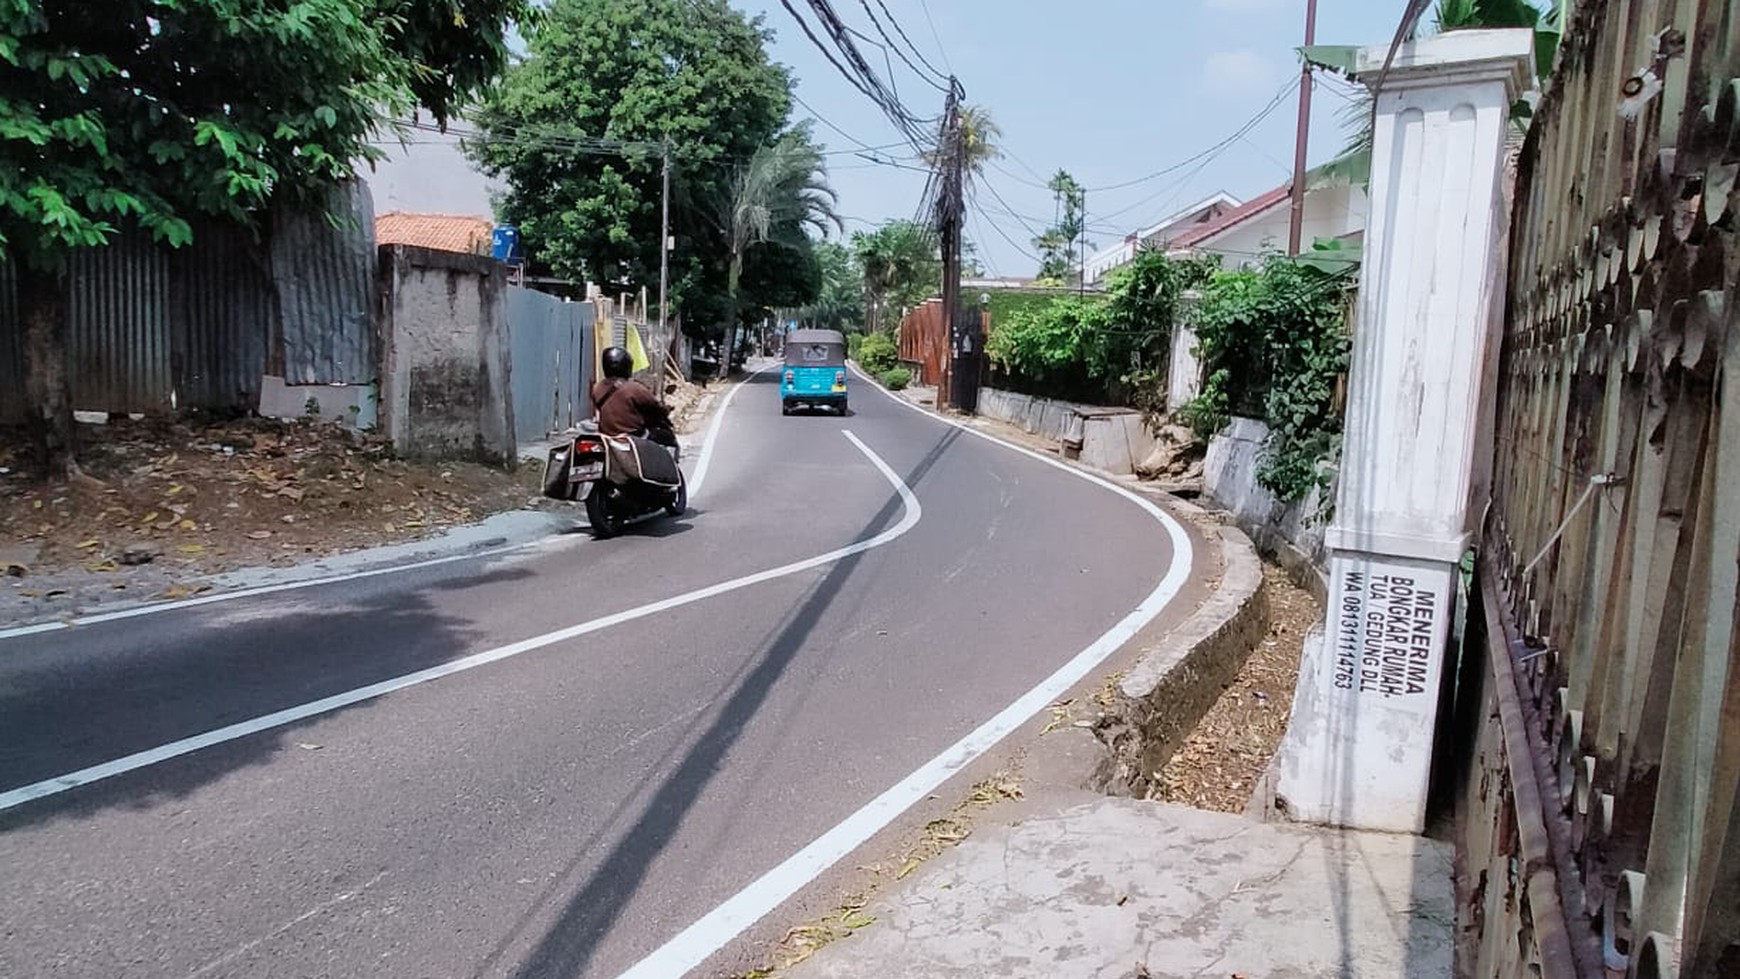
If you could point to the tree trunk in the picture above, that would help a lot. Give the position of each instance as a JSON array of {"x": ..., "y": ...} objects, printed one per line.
[
  {"x": 734, "y": 274},
  {"x": 42, "y": 305}
]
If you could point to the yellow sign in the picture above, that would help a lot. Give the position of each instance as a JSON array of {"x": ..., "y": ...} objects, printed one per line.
[{"x": 636, "y": 351}]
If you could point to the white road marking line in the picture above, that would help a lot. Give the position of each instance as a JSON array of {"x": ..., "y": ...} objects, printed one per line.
[
  {"x": 230, "y": 596},
  {"x": 704, "y": 464},
  {"x": 712, "y": 932},
  {"x": 151, "y": 756}
]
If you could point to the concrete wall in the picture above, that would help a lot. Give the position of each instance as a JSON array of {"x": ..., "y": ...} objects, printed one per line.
[
  {"x": 1184, "y": 373},
  {"x": 353, "y": 405},
  {"x": 1229, "y": 478},
  {"x": 445, "y": 391},
  {"x": 1112, "y": 439}
]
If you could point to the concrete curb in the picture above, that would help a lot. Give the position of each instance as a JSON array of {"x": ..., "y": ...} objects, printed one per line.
[{"x": 1174, "y": 683}]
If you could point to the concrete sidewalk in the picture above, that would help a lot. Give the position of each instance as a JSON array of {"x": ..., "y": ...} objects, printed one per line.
[{"x": 1124, "y": 889}]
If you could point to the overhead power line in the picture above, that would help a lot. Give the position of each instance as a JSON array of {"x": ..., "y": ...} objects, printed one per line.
[
  {"x": 1263, "y": 113},
  {"x": 940, "y": 49},
  {"x": 941, "y": 75},
  {"x": 843, "y": 53}
]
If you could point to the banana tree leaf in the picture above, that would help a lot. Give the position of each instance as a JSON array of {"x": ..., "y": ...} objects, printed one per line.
[
  {"x": 1546, "y": 52},
  {"x": 1340, "y": 58},
  {"x": 1349, "y": 169},
  {"x": 1332, "y": 257}
]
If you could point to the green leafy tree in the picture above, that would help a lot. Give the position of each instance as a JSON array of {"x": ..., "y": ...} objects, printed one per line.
[
  {"x": 141, "y": 114},
  {"x": 901, "y": 269},
  {"x": 1057, "y": 245},
  {"x": 690, "y": 74},
  {"x": 1111, "y": 348},
  {"x": 839, "y": 300},
  {"x": 772, "y": 202}
]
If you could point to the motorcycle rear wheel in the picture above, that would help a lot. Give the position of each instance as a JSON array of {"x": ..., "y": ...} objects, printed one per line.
[
  {"x": 605, "y": 520},
  {"x": 679, "y": 504}
]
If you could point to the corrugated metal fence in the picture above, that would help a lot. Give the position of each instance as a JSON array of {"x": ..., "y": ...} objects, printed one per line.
[
  {"x": 552, "y": 361},
  {"x": 1610, "y": 563},
  {"x": 924, "y": 342},
  {"x": 152, "y": 328},
  {"x": 12, "y": 402}
]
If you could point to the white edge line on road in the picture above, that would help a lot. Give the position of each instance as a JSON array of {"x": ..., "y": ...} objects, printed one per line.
[
  {"x": 230, "y": 596},
  {"x": 290, "y": 715},
  {"x": 696, "y": 943},
  {"x": 704, "y": 464}
]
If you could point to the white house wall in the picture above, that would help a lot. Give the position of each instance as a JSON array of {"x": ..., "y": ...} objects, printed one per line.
[{"x": 1330, "y": 212}]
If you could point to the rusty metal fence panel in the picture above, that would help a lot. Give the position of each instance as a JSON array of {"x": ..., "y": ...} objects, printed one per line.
[
  {"x": 224, "y": 319},
  {"x": 323, "y": 266},
  {"x": 13, "y": 405},
  {"x": 924, "y": 342},
  {"x": 118, "y": 327},
  {"x": 151, "y": 328},
  {"x": 1614, "y": 530}
]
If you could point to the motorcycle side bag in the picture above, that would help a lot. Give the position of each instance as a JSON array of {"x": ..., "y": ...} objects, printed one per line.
[
  {"x": 557, "y": 466},
  {"x": 633, "y": 458}
]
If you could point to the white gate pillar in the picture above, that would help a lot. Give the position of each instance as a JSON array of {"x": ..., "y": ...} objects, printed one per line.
[{"x": 1359, "y": 749}]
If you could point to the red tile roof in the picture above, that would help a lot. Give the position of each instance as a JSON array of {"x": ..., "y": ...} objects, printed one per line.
[
  {"x": 1232, "y": 218},
  {"x": 442, "y": 232}
]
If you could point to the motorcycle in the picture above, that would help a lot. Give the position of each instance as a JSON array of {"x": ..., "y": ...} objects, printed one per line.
[{"x": 621, "y": 478}]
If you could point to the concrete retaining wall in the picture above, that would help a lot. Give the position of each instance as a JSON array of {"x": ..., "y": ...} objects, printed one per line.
[
  {"x": 1162, "y": 699},
  {"x": 1184, "y": 373},
  {"x": 445, "y": 391},
  {"x": 1291, "y": 532},
  {"x": 1110, "y": 439}
]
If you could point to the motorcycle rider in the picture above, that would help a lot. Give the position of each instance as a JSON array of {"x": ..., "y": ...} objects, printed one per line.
[{"x": 625, "y": 406}]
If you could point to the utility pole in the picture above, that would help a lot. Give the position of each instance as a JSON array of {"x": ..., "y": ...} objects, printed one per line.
[
  {"x": 1296, "y": 221},
  {"x": 951, "y": 212},
  {"x": 1081, "y": 270},
  {"x": 664, "y": 267}
]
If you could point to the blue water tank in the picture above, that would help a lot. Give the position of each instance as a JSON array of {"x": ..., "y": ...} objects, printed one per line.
[{"x": 504, "y": 245}]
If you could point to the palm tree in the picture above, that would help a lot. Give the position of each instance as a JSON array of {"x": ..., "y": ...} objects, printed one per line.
[
  {"x": 980, "y": 135},
  {"x": 775, "y": 198},
  {"x": 899, "y": 261}
]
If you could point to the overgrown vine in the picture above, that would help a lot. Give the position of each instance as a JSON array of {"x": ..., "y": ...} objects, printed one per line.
[{"x": 1274, "y": 344}]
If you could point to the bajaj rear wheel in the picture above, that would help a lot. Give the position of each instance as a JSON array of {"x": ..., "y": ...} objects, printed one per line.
[{"x": 606, "y": 521}]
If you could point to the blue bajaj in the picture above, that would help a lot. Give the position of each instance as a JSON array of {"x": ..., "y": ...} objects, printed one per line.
[{"x": 815, "y": 371}]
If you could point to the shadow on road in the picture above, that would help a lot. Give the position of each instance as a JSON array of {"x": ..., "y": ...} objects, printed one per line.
[
  {"x": 59, "y": 714},
  {"x": 568, "y": 947}
]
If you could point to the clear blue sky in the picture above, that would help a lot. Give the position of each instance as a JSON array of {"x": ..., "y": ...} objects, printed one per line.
[{"x": 1110, "y": 90}]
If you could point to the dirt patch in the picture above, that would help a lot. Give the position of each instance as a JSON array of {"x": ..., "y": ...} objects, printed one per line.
[
  {"x": 198, "y": 499},
  {"x": 938, "y": 835},
  {"x": 1221, "y": 761}
]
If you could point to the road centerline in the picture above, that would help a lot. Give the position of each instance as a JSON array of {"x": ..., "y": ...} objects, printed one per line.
[
  {"x": 713, "y": 931},
  {"x": 912, "y": 512}
]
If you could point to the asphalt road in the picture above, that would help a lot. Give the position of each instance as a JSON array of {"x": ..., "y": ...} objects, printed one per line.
[{"x": 576, "y": 792}]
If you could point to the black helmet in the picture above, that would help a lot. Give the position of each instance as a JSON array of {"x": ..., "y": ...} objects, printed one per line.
[{"x": 617, "y": 363}]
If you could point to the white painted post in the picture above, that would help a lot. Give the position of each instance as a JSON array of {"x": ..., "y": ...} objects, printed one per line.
[{"x": 1359, "y": 750}]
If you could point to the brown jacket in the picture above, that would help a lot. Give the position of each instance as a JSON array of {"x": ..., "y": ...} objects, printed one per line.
[{"x": 627, "y": 408}]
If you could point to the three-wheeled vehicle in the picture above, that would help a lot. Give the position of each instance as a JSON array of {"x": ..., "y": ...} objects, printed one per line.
[{"x": 815, "y": 371}]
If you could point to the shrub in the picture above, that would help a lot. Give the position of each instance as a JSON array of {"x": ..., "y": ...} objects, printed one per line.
[
  {"x": 895, "y": 378},
  {"x": 1275, "y": 344},
  {"x": 877, "y": 354}
]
